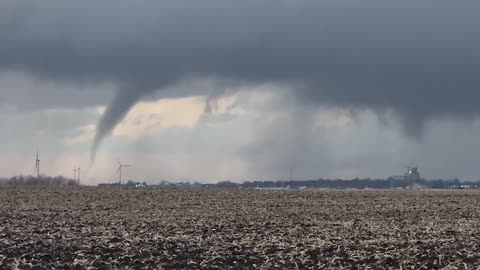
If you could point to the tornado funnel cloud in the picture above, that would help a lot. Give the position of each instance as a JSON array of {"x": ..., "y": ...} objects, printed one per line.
[{"x": 123, "y": 101}]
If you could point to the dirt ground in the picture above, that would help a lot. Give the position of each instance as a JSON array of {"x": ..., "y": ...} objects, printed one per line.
[{"x": 147, "y": 228}]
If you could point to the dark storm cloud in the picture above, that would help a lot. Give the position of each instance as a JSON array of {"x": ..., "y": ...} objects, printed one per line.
[
  {"x": 418, "y": 58},
  {"x": 30, "y": 95}
]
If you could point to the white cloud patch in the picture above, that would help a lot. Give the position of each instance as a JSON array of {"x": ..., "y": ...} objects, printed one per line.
[
  {"x": 334, "y": 118},
  {"x": 150, "y": 117}
]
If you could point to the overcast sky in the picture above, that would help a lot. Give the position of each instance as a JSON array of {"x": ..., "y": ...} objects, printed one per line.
[{"x": 234, "y": 90}]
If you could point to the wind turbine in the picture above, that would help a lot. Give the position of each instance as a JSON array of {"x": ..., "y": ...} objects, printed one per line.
[
  {"x": 119, "y": 170},
  {"x": 74, "y": 174},
  {"x": 37, "y": 166}
]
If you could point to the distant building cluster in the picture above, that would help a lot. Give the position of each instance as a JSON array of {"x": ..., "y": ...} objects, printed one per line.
[{"x": 412, "y": 175}]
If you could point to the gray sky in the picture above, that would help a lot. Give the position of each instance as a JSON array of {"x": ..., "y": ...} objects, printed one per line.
[{"x": 240, "y": 89}]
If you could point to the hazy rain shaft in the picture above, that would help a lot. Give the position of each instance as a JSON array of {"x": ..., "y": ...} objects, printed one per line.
[{"x": 374, "y": 54}]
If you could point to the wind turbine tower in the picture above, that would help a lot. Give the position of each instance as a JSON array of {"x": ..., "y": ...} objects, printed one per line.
[
  {"x": 37, "y": 167},
  {"x": 119, "y": 170},
  {"x": 78, "y": 175}
]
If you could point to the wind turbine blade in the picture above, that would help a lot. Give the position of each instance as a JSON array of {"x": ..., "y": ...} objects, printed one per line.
[{"x": 119, "y": 163}]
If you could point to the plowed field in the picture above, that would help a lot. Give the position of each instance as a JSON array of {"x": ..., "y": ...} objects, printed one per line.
[{"x": 149, "y": 228}]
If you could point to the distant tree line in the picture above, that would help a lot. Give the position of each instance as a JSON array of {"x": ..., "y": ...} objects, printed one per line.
[
  {"x": 28, "y": 180},
  {"x": 356, "y": 183}
]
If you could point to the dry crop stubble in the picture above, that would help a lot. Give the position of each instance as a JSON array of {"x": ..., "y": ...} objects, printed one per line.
[{"x": 149, "y": 228}]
